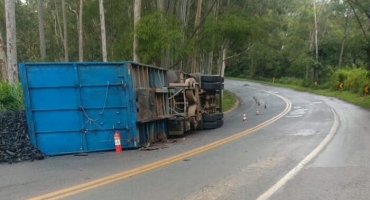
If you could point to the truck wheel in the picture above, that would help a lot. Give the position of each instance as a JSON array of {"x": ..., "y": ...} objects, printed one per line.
[
  {"x": 212, "y": 117},
  {"x": 209, "y": 125},
  {"x": 211, "y": 78},
  {"x": 212, "y": 86},
  {"x": 220, "y": 123}
]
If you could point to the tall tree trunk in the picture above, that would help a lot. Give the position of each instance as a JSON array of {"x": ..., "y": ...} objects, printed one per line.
[
  {"x": 11, "y": 40},
  {"x": 80, "y": 34},
  {"x": 251, "y": 73},
  {"x": 198, "y": 13},
  {"x": 315, "y": 77},
  {"x": 40, "y": 11},
  {"x": 309, "y": 66},
  {"x": 210, "y": 62},
  {"x": 65, "y": 40},
  {"x": 160, "y": 5},
  {"x": 223, "y": 65},
  {"x": 102, "y": 26},
  {"x": 183, "y": 14},
  {"x": 137, "y": 13},
  {"x": 58, "y": 27},
  {"x": 3, "y": 70},
  {"x": 197, "y": 22},
  {"x": 343, "y": 40},
  {"x": 215, "y": 7}
]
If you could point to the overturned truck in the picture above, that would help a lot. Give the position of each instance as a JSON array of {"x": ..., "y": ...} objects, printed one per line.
[
  {"x": 195, "y": 102},
  {"x": 77, "y": 107}
]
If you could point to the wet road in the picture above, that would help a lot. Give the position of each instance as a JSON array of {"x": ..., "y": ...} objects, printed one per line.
[{"x": 316, "y": 149}]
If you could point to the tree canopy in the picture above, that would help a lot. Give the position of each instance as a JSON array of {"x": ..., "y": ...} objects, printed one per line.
[{"x": 266, "y": 38}]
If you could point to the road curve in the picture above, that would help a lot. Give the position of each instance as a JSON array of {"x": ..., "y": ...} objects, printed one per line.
[{"x": 284, "y": 159}]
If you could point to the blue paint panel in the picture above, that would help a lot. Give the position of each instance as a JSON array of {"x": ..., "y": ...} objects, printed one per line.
[
  {"x": 63, "y": 142},
  {"x": 100, "y": 97},
  {"x": 74, "y": 107},
  {"x": 52, "y": 75},
  {"x": 56, "y": 121},
  {"x": 51, "y": 98}
]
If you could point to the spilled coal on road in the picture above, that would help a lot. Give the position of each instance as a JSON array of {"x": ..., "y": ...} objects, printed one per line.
[{"x": 15, "y": 144}]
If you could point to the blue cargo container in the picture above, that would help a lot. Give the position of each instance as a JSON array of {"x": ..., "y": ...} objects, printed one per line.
[{"x": 77, "y": 107}]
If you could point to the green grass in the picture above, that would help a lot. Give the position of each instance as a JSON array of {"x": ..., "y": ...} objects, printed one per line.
[
  {"x": 354, "y": 98},
  {"x": 228, "y": 101},
  {"x": 363, "y": 101},
  {"x": 11, "y": 97}
]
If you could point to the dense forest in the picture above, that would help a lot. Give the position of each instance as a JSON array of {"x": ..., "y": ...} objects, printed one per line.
[{"x": 305, "y": 39}]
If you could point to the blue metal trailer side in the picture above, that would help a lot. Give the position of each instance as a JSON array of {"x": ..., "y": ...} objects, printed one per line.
[{"x": 76, "y": 107}]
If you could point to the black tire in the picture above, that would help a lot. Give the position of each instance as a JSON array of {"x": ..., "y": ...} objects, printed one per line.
[
  {"x": 209, "y": 125},
  {"x": 212, "y": 86},
  {"x": 220, "y": 123},
  {"x": 211, "y": 78},
  {"x": 212, "y": 117}
]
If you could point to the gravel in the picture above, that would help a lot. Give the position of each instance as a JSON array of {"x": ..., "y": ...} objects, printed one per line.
[{"x": 15, "y": 144}]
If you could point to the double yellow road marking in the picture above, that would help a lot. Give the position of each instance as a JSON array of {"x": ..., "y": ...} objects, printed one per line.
[{"x": 63, "y": 193}]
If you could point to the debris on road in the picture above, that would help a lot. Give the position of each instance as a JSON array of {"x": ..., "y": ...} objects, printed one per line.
[{"x": 15, "y": 144}]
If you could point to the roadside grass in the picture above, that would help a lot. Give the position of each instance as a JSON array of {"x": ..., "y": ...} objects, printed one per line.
[
  {"x": 11, "y": 96},
  {"x": 355, "y": 98},
  {"x": 228, "y": 101}
]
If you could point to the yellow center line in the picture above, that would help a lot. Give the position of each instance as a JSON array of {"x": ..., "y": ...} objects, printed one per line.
[{"x": 63, "y": 193}]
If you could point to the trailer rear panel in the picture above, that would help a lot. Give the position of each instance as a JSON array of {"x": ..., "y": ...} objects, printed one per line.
[{"x": 77, "y": 107}]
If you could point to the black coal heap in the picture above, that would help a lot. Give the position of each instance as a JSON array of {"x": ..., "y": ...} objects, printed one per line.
[{"x": 15, "y": 144}]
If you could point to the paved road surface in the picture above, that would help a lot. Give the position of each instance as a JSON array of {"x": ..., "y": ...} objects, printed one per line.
[{"x": 317, "y": 149}]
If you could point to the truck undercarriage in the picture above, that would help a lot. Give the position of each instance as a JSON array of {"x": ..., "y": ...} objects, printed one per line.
[{"x": 195, "y": 102}]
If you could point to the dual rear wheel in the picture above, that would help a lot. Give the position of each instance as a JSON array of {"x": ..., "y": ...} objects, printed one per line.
[{"x": 212, "y": 82}]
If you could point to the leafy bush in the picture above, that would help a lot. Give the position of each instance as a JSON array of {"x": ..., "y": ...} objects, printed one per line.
[
  {"x": 325, "y": 85},
  {"x": 289, "y": 81},
  {"x": 338, "y": 77},
  {"x": 11, "y": 97},
  {"x": 306, "y": 82},
  {"x": 354, "y": 79}
]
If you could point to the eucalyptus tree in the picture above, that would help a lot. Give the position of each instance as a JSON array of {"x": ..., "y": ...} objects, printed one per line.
[
  {"x": 3, "y": 70},
  {"x": 80, "y": 33},
  {"x": 65, "y": 31},
  {"x": 156, "y": 34},
  {"x": 195, "y": 57},
  {"x": 11, "y": 41},
  {"x": 137, "y": 15},
  {"x": 361, "y": 10},
  {"x": 40, "y": 14},
  {"x": 103, "y": 35}
]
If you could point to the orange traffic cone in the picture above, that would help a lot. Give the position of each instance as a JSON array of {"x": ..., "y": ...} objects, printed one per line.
[{"x": 244, "y": 118}]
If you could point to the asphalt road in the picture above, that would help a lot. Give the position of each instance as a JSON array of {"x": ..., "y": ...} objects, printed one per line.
[{"x": 301, "y": 146}]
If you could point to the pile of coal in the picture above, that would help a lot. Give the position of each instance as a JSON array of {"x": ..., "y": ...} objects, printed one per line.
[{"x": 15, "y": 144}]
